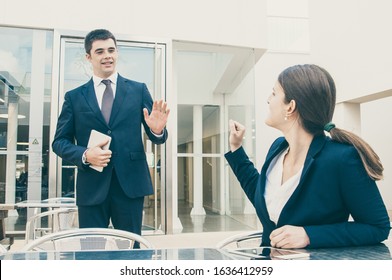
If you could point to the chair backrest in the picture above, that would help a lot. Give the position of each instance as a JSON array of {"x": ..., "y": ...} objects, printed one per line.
[
  {"x": 241, "y": 240},
  {"x": 51, "y": 221},
  {"x": 3, "y": 249},
  {"x": 87, "y": 239}
]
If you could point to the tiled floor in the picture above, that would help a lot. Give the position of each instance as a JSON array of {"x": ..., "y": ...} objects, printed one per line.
[{"x": 213, "y": 222}]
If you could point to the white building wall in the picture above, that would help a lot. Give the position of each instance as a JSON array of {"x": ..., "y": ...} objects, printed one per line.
[
  {"x": 351, "y": 39},
  {"x": 232, "y": 22}
]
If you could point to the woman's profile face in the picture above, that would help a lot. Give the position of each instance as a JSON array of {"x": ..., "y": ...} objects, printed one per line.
[{"x": 277, "y": 107}]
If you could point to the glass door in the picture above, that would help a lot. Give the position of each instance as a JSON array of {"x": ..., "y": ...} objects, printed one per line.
[
  {"x": 144, "y": 62},
  {"x": 214, "y": 84},
  {"x": 25, "y": 78}
]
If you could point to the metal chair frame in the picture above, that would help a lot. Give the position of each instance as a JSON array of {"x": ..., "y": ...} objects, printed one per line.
[
  {"x": 88, "y": 239},
  {"x": 57, "y": 220},
  {"x": 241, "y": 240},
  {"x": 3, "y": 250}
]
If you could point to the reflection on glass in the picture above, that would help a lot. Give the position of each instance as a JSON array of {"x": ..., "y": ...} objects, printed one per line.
[
  {"x": 211, "y": 129},
  {"x": 185, "y": 184},
  {"x": 185, "y": 129},
  {"x": 18, "y": 145},
  {"x": 211, "y": 184},
  {"x": 137, "y": 64}
]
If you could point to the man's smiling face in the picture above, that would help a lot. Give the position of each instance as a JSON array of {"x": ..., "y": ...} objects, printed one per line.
[{"x": 103, "y": 57}]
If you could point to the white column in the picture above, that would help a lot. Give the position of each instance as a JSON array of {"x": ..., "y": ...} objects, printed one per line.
[
  {"x": 174, "y": 224},
  {"x": 36, "y": 115},
  {"x": 12, "y": 136},
  {"x": 223, "y": 149},
  {"x": 175, "y": 220},
  {"x": 248, "y": 141},
  {"x": 198, "y": 222},
  {"x": 198, "y": 161},
  {"x": 214, "y": 176}
]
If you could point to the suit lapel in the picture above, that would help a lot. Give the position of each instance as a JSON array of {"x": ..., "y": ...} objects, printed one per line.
[
  {"x": 273, "y": 153},
  {"x": 316, "y": 146},
  {"x": 262, "y": 211},
  {"x": 121, "y": 91},
  {"x": 89, "y": 94}
]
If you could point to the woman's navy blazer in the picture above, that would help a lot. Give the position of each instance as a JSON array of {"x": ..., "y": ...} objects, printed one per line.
[{"x": 333, "y": 185}]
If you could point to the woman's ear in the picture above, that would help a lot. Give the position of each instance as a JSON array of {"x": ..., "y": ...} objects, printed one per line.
[{"x": 292, "y": 106}]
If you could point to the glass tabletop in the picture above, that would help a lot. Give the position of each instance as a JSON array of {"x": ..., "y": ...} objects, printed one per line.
[
  {"x": 138, "y": 254},
  {"x": 380, "y": 251}
]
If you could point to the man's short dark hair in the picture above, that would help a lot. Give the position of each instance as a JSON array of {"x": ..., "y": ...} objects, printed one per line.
[{"x": 97, "y": 34}]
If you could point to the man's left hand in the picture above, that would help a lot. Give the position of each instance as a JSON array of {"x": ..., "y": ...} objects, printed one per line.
[{"x": 157, "y": 119}]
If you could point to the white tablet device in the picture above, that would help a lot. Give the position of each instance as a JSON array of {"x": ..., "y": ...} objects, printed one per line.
[
  {"x": 270, "y": 253},
  {"x": 97, "y": 137}
]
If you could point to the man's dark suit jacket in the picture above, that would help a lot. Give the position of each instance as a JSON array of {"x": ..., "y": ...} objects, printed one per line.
[
  {"x": 333, "y": 186},
  {"x": 81, "y": 113}
]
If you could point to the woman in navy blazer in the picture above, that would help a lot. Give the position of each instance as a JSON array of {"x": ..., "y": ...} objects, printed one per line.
[{"x": 311, "y": 184}]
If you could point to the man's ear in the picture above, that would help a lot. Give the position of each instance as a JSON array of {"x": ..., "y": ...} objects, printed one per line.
[{"x": 88, "y": 56}]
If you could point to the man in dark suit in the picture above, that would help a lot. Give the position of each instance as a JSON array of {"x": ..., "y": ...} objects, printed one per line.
[{"x": 118, "y": 107}]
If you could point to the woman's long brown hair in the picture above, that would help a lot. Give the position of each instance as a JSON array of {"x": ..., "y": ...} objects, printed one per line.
[{"x": 314, "y": 92}]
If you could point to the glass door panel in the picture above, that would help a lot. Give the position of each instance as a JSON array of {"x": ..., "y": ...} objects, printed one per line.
[
  {"x": 214, "y": 84},
  {"x": 25, "y": 79}
]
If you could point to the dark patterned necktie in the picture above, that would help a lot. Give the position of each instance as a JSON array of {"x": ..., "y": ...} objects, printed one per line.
[{"x": 107, "y": 100}]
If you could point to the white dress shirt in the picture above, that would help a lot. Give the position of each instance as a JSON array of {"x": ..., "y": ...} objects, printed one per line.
[{"x": 277, "y": 194}]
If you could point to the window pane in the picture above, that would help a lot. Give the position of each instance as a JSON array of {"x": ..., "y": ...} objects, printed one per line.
[
  {"x": 211, "y": 184},
  {"x": 25, "y": 95},
  {"x": 185, "y": 129},
  {"x": 211, "y": 130}
]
